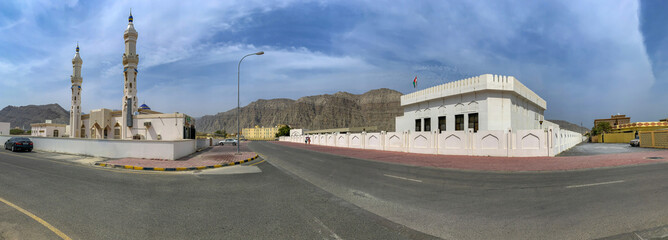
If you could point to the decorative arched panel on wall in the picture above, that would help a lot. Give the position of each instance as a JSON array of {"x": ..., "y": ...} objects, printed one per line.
[
  {"x": 530, "y": 141},
  {"x": 341, "y": 141},
  {"x": 473, "y": 106},
  {"x": 355, "y": 141},
  {"x": 373, "y": 141},
  {"x": 452, "y": 142},
  {"x": 420, "y": 141},
  {"x": 395, "y": 141},
  {"x": 489, "y": 141}
]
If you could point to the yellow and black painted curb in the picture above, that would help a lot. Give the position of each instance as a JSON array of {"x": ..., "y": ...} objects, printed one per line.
[{"x": 175, "y": 169}]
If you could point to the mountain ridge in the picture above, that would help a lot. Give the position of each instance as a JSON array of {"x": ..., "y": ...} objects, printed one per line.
[
  {"x": 376, "y": 107},
  {"x": 23, "y": 116}
]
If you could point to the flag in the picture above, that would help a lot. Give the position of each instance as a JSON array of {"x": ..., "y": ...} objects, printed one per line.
[{"x": 415, "y": 82}]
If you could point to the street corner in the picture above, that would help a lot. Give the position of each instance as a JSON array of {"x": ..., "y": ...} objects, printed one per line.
[{"x": 175, "y": 165}]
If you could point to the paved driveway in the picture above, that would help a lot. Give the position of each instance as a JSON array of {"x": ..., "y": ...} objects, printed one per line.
[{"x": 588, "y": 149}]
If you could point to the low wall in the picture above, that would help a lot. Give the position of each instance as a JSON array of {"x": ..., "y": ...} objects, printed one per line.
[
  {"x": 617, "y": 137},
  {"x": 169, "y": 150},
  {"x": 206, "y": 142},
  {"x": 654, "y": 139},
  {"x": 523, "y": 143}
]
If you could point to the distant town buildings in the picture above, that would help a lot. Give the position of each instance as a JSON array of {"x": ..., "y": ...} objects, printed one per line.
[
  {"x": 485, "y": 102},
  {"x": 614, "y": 120},
  {"x": 48, "y": 129},
  {"x": 623, "y": 130},
  {"x": 260, "y": 133}
]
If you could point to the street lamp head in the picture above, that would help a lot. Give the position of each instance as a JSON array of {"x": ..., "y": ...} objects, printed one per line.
[{"x": 259, "y": 53}]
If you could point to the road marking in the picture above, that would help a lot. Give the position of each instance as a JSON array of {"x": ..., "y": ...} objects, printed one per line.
[
  {"x": 595, "y": 184},
  {"x": 256, "y": 163},
  {"x": 36, "y": 218},
  {"x": 332, "y": 234},
  {"x": 409, "y": 179}
]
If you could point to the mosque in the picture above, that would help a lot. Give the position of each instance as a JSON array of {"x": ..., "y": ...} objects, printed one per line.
[{"x": 131, "y": 122}]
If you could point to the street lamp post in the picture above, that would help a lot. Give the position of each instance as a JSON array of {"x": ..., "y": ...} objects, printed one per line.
[{"x": 238, "y": 98}]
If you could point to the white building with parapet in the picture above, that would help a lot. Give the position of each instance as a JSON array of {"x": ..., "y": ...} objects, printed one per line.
[
  {"x": 485, "y": 102},
  {"x": 487, "y": 115}
]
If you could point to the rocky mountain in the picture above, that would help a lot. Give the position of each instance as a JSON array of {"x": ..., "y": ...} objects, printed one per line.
[
  {"x": 374, "y": 108},
  {"x": 23, "y": 116},
  {"x": 570, "y": 126}
]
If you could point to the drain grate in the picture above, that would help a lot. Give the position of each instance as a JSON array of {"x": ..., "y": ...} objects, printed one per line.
[{"x": 654, "y": 157}]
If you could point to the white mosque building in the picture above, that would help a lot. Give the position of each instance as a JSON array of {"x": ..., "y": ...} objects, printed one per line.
[{"x": 131, "y": 122}]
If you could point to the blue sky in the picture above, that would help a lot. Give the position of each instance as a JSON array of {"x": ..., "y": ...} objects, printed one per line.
[{"x": 587, "y": 59}]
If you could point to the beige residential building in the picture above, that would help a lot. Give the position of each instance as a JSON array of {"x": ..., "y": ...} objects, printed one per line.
[
  {"x": 260, "y": 133},
  {"x": 47, "y": 129}
]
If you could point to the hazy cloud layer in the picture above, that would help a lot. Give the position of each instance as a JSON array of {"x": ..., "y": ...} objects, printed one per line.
[{"x": 587, "y": 59}]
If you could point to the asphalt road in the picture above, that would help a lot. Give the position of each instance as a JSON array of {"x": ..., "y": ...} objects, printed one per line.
[
  {"x": 619, "y": 202},
  {"x": 87, "y": 202},
  {"x": 300, "y": 194}
]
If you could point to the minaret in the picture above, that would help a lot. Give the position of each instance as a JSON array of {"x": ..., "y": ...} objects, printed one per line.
[
  {"x": 75, "y": 110},
  {"x": 130, "y": 61}
]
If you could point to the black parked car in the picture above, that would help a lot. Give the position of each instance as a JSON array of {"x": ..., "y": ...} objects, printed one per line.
[{"x": 19, "y": 143}]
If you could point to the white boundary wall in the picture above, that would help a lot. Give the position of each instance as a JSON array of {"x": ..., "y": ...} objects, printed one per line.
[
  {"x": 169, "y": 150},
  {"x": 523, "y": 143},
  {"x": 4, "y": 128}
]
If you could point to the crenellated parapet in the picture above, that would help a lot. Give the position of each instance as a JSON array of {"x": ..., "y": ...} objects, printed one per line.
[{"x": 486, "y": 82}]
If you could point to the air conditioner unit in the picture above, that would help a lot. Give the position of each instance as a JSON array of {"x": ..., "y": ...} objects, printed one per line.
[{"x": 147, "y": 124}]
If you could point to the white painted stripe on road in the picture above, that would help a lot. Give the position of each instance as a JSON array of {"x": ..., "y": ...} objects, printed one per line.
[
  {"x": 409, "y": 179},
  {"x": 331, "y": 233},
  {"x": 595, "y": 184}
]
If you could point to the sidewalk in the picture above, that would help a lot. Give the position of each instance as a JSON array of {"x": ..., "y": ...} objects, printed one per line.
[
  {"x": 492, "y": 163},
  {"x": 212, "y": 157}
]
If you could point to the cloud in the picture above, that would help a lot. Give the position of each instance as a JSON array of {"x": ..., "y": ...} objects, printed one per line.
[{"x": 587, "y": 59}]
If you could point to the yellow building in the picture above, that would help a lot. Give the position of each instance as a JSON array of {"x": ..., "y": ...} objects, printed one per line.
[
  {"x": 623, "y": 133},
  {"x": 260, "y": 133}
]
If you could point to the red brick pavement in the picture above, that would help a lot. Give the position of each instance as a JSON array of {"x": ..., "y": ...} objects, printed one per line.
[
  {"x": 214, "y": 156},
  {"x": 491, "y": 163}
]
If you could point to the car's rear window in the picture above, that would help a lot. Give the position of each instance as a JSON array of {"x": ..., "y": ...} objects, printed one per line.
[{"x": 22, "y": 139}]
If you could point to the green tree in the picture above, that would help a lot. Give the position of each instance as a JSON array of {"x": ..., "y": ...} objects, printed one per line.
[
  {"x": 16, "y": 131},
  {"x": 283, "y": 131},
  {"x": 222, "y": 133},
  {"x": 602, "y": 127}
]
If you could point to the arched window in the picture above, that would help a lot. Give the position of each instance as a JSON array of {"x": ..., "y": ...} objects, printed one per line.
[{"x": 117, "y": 131}]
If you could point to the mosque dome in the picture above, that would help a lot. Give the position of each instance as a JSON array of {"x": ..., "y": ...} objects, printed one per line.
[{"x": 145, "y": 107}]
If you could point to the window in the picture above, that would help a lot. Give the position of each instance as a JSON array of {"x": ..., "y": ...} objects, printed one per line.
[
  {"x": 441, "y": 124},
  {"x": 473, "y": 121},
  {"x": 55, "y": 133},
  {"x": 459, "y": 122},
  {"x": 427, "y": 124},
  {"x": 418, "y": 125}
]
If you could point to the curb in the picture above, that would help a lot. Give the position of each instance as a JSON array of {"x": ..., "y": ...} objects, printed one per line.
[{"x": 175, "y": 169}]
